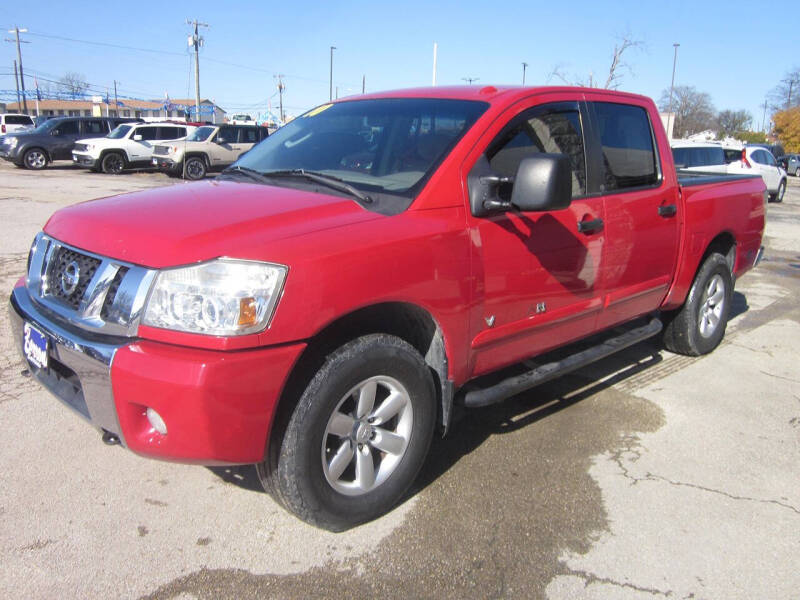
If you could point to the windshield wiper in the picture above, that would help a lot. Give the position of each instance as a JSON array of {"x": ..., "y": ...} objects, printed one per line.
[
  {"x": 251, "y": 173},
  {"x": 329, "y": 180}
]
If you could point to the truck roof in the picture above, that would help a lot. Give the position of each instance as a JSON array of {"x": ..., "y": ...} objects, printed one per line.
[{"x": 486, "y": 93}]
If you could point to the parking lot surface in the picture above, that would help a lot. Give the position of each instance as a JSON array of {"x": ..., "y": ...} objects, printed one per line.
[{"x": 648, "y": 475}]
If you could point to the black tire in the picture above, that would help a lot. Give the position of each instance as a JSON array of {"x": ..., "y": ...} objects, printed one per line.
[
  {"x": 195, "y": 168},
  {"x": 699, "y": 326},
  {"x": 112, "y": 163},
  {"x": 35, "y": 159},
  {"x": 778, "y": 196},
  {"x": 300, "y": 473}
]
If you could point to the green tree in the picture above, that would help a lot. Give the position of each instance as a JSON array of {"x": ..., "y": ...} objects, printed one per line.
[{"x": 751, "y": 137}]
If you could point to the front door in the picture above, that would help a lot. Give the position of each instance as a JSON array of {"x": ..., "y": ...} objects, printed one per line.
[{"x": 540, "y": 271}]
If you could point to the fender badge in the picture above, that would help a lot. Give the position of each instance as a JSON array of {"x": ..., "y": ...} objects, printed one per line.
[{"x": 490, "y": 321}]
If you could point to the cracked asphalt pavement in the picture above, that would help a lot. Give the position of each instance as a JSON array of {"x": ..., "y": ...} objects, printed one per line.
[{"x": 647, "y": 475}]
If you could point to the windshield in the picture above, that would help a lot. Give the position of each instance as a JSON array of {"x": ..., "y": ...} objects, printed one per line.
[
  {"x": 200, "y": 134},
  {"x": 119, "y": 132},
  {"x": 384, "y": 146}
]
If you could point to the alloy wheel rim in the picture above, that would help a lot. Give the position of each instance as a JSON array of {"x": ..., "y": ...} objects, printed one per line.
[
  {"x": 35, "y": 159},
  {"x": 712, "y": 306},
  {"x": 194, "y": 169},
  {"x": 367, "y": 435}
]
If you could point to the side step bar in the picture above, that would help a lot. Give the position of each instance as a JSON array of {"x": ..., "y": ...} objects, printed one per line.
[{"x": 514, "y": 385}]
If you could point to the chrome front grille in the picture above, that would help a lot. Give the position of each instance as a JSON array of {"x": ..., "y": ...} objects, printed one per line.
[{"x": 87, "y": 290}]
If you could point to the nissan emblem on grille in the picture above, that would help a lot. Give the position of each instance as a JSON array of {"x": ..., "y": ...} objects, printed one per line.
[{"x": 70, "y": 278}]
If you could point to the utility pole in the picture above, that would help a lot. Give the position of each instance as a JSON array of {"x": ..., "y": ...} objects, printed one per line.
[
  {"x": 116, "y": 101},
  {"x": 524, "y": 67},
  {"x": 330, "y": 97},
  {"x": 196, "y": 41},
  {"x": 764, "y": 117},
  {"x": 791, "y": 83},
  {"x": 363, "y": 84},
  {"x": 281, "y": 87},
  {"x": 17, "y": 31},
  {"x": 672, "y": 88},
  {"x": 469, "y": 80},
  {"x": 16, "y": 82}
]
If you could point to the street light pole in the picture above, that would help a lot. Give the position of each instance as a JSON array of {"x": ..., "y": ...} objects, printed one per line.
[
  {"x": 17, "y": 31},
  {"x": 672, "y": 88},
  {"x": 330, "y": 96},
  {"x": 524, "y": 66}
]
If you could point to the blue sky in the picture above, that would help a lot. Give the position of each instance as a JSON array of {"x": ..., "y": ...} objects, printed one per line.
[{"x": 732, "y": 50}]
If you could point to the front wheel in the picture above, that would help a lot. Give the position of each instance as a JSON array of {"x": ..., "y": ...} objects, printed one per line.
[
  {"x": 35, "y": 159},
  {"x": 195, "y": 168},
  {"x": 358, "y": 436},
  {"x": 113, "y": 163},
  {"x": 699, "y": 326}
]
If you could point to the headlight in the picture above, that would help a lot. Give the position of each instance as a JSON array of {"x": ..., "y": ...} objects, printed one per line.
[
  {"x": 12, "y": 142},
  {"x": 221, "y": 297},
  {"x": 89, "y": 147}
]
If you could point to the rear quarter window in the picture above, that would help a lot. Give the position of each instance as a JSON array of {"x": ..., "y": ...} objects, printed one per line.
[
  {"x": 626, "y": 137},
  {"x": 18, "y": 120}
]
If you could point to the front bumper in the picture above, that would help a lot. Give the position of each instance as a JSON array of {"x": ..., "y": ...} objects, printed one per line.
[
  {"x": 217, "y": 406},
  {"x": 165, "y": 164},
  {"x": 9, "y": 154},
  {"x": 84, "y": 160}
]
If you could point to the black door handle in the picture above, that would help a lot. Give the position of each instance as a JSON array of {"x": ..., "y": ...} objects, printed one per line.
[
  {"x": 667, "y": 210},
  {"x": 589, "y": 226}
]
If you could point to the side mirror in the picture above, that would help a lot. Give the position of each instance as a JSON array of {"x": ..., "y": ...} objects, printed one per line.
[
  {"x": 137, "y": 137},
  {"x": 543, "y": 182}
]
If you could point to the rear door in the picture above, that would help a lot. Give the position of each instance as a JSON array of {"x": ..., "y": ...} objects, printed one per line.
[
  {"x": 94, "y": 128},
  {"x": 538, "y": 272},
  {"x": 641, "y": 205}
]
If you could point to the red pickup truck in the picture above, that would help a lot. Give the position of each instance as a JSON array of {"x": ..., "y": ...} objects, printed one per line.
[{"x": 320, "y": 307}]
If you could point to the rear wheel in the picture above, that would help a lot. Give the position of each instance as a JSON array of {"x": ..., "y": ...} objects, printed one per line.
[
  {"x": 195, "y": 168},
  {"x": 358, "y": 436},
  {"x": 35, "y": 159},
  {"x": 113, "y": 163},
  {"x": 778, "y": 196},
  {"x": 699, "y": 326}
]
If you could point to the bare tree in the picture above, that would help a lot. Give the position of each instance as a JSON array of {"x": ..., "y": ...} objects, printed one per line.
[
  {"x": 74, "y": 84},
  {"x": 616, "y": 70},
  {"x": 730, "y": 122},
  {"x": 786, "y": 94},
  {"x": 694, "y": 111}
]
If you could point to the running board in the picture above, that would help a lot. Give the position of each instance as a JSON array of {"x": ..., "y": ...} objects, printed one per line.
[{"x": 514, "y": 385}]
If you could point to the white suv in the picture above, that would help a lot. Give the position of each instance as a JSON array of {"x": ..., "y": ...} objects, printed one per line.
[
  {"x": 128, "y": 146},
  {"x": 11, "y": 122},
  {"x": 758, "y": 160}
]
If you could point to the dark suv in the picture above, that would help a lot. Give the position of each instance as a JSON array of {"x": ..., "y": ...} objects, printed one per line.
[{"x": 53, "y": 139}]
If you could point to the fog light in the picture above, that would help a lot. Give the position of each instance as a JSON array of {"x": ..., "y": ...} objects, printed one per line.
[{"x": 156, "y": 421}]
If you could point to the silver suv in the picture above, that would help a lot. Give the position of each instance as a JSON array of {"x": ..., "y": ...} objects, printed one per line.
[{"x": 209, "y": 148}]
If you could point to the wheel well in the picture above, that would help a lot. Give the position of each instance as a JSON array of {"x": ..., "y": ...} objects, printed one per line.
[
  {"x": 198, "y": 155},
  {"x": 724, "y": 244},
  {"x": 44, "y": 150},
  {"x": 406, "y": 321},
  {"x": 115, "y": 151}
]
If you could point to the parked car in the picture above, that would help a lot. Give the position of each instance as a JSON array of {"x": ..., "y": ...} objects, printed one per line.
[
  {"x": 53, "y": 139},
  {"x": 699, "y": 156},
  {"x": 130, "y": 145},
  {"x": 11, "y": 122},
  {"x": 241, "y": 119},
  {"x": 757, "y": 159},
  {"x": 790, "y": 163},
  {"x": 320, "y": 307},
  {"x": 208, "y": 148}
]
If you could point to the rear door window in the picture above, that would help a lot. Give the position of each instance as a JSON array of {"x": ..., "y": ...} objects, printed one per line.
[
  {"x": 95, "y": 127},
  {"x": 18, "y": 120},
  {"x": 629, "y": 157},
  {"x": 248, "y": 135},
  {"x": 67, "y": 128},
  {"x": 171, "y": 133}
]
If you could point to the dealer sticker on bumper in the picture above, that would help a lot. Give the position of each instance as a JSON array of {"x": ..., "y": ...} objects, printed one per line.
[{"x": 34, "y": 343}]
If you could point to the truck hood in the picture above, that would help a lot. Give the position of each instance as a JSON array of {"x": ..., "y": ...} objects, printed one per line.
[{"x": 183, "y": 224}]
